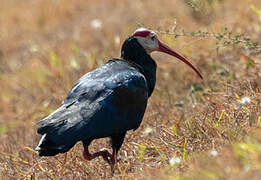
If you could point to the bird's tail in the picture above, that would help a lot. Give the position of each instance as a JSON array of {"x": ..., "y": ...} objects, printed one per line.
[{"x": 48, "y": 148}]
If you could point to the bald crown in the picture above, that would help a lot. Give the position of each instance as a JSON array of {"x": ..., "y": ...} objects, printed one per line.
[{"x": 142, "y": 32}]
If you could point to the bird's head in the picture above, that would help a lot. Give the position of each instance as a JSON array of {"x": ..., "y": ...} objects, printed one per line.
[{"x": 150, "y": 42}]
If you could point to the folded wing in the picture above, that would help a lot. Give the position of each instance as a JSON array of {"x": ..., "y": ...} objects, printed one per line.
[{"x": 106, "y": 101}]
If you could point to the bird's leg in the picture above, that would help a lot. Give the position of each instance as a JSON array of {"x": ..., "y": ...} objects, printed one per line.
[
  {"x": 104, "y": 153},
  {"x": 116, "y": 142},
  {"x": 113, "y": 159}
]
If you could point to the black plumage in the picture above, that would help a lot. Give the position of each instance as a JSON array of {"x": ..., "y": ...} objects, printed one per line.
[{"x": 106, "y": 102}]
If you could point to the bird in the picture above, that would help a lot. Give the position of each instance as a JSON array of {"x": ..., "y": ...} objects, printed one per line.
[{"x": 107, "y": 101}]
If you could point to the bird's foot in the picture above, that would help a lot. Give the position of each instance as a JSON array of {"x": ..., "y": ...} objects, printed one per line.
[
  {"x": 111, "y": 159},
  {"x": 106, "y": 155}
]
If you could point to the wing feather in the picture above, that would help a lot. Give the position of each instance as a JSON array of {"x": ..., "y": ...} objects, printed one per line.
[{"x": 109, "y": 100}]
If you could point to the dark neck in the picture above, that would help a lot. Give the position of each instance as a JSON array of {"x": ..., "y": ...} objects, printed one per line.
[{"x": 133, "y": 51}]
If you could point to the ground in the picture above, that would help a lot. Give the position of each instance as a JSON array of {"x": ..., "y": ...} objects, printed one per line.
[{"x": 192, "y": 129}]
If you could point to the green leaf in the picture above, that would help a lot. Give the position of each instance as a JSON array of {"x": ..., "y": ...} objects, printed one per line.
[
  {"x": 184, "y": 149},
  {"x": 75, "y": 50},
  {"x": 142, "y": 149},
  {"x": 219, "y": 36},
  {"x": 217, "y": 123},
  {"x": 162, "y": 157},
  {"x": 249, "y": 63},
  {"x": 259, "y": 121},
  {"x": 5, "y": 128},
  {"x": 54, "y": 60},
  {"x": 175, "y": 129},
  {"x": 255, "y": 9}
]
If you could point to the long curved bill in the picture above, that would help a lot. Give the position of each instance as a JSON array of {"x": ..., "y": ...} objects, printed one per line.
[{"x": 164, "y": 48}]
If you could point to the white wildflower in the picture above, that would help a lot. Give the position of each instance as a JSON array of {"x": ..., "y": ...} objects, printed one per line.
[
  {"x": 117, "y": 40},
  {"x": 96, "y": 23},
  {"x": 46, "y": 103},
  {"x": 74, "y": 64},
  {"x": 34, "y": 48},
  {"x": 245, "y": 100},
  {"x": 148, "y": 131},
  {"x": 214, "y": 153},
  {"x": 174, "y": 160}
]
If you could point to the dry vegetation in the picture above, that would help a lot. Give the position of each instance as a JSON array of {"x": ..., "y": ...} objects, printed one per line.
[{"x": 192, "y": 129}]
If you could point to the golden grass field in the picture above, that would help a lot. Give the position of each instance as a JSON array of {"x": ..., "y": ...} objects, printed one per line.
[{"x": 192, "y": 129}]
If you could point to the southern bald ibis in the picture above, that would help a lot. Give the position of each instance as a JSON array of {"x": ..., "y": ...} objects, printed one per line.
[{"x": 106, "y": 102}]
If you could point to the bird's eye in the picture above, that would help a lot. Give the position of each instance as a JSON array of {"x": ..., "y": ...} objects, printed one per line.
[{"x": 153, "y": 37}]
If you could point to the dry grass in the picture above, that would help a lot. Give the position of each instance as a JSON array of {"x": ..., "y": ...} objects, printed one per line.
[{"x": 192, "y": 129}]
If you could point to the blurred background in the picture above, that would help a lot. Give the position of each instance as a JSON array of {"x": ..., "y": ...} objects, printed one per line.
[{"x": 46, "y": 45}]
